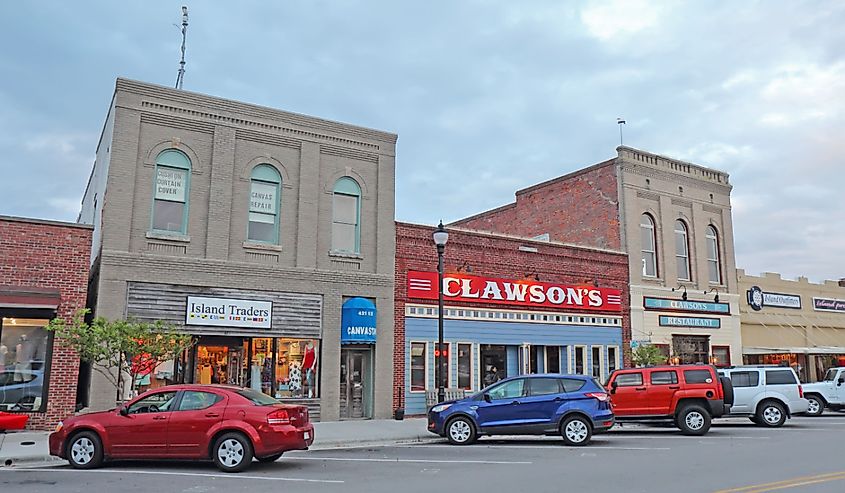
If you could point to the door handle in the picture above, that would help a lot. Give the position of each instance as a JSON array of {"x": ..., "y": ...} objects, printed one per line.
[
  {"x": 640, "y": 388},
  {"x": 159, "y": 418},
  {"x": 558, "y": 399},
  {"x": 674, "y": 387},
  {"x": 515, "y": 402},
  {"x": 212, "y": 415}
]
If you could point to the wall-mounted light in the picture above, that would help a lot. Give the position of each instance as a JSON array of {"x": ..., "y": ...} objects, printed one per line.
[
  {"x": 684, "y": 294},
  {"x": 465, "y": 267},
  {"x": 532, "y": 275},
  {"x": 713, "y": 290}
]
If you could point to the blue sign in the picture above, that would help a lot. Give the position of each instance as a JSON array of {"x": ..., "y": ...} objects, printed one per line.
[
  {"x": 706, "y": 323},
  {"x": 358, "y": 322},
  {"x": 686, "y": 306}
]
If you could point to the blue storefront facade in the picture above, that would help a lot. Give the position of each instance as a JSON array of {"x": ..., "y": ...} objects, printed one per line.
[{"x": 569, "y": 314}]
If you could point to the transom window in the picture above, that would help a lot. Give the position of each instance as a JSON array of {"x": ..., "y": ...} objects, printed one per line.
[
  {"x": 171, "y": 192},
  {"x": 264, "y": 200},
  {"x": 649, "y": 246},
  {"x": 346, "y": 214},
  {"x": 682, "y": 250},
  {"x": 713, "y": 264}
]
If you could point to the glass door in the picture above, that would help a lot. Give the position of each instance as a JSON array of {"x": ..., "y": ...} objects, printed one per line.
[{"x": 356, "y": 400}]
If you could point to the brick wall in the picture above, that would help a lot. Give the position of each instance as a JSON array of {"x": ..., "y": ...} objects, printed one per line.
[
  {"x": 580, "y": 208},
  {"x": 44, "y": 254},
  {"x": 499, "y": 257}
]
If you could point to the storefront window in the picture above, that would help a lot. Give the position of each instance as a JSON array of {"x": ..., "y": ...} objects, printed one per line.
[
  {"x": 580, "y": 356},
  {"x": 418, "y": 366},
  {"x": 612, "y": 359},
  {"x": 218, "y": 361},
  {"x": 552, "y": 359},
  {"x": 261, "y": 367},
  {"x": 465, "y": 366},
  {"x": 596, "y": 362},
  {"x": 721, "y": 355},
  {"x": 296, "y": 368},
  {"x": 23, "y": 361}
]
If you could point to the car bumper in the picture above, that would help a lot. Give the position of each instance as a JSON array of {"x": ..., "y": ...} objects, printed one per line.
[
  {"x": 436, "y": 425},
  {"x": 799, "y": 407},
  {"x": 57, "y": 444},
  {"x": 603, "y": 423},
  {"x": 718, "y": 408},
  {"x": 276, "y": 439}
]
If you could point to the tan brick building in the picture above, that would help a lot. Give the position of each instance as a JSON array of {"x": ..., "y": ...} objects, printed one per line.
[
  {"x": 793, "y": 322},
  {"x": 250, "y": 228},
  {"x": 673, "y": 218}
]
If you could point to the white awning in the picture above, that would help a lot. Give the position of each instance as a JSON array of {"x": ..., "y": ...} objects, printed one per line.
[{"x": 794, "y": 350}]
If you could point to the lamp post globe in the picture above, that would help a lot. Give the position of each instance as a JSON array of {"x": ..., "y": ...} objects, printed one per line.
[{"x": 440, "y": 238}]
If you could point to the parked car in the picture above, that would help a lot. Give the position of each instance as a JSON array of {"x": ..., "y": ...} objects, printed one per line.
[
  {"x": 20, "y": 389},
  {"x": 228, "y": 425},
  {"x": 573, "y": 406},
  {"x": 828, "y": 393},
  {"x": 689, "y": 395},
  {"x": 767, "y": 395}
]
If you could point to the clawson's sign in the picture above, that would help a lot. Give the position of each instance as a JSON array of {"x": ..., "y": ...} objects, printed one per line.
[{"x": 475, "y": 289}]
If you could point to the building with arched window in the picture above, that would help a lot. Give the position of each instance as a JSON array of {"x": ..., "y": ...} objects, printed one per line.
[
  {"x": 251, "y": 229},
  {"x": 673, "y": 219}
]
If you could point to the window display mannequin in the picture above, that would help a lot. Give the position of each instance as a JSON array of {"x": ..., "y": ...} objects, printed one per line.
[
  {"x": 309, "y": 365},
  {"x": 23, "y": 357},
  {"x": 3, "y": 352}
]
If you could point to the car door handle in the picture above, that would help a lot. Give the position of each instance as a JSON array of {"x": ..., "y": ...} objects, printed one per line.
[
  {"x": 212, "y": 415},
  {"x": 640, "y": 388},
  {"x": 674, "y": 387},
  {"x": 558, "y": 399},
  {"x": 515, "y": 402},
  {"x": 159, "y": 418}
]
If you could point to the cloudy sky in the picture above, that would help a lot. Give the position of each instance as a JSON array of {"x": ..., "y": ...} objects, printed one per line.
[{"x": 487, "y": 97}]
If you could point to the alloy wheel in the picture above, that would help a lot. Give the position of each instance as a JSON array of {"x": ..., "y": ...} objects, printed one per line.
[
  {"x": 460, "y": 431},
  {"x": 814, "y": 406},
  {"x": 576, "y": 431},
  {"x": 82, "y": 451},
  {"x": 230, "y": 452},
  {"x": 772, "y": 415},
  {"x": 694, "y": 420}
]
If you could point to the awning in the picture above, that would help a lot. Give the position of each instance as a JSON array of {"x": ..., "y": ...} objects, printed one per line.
[
  {"x": 29, "y": 297},
  {"x": 794, "y": 350}
]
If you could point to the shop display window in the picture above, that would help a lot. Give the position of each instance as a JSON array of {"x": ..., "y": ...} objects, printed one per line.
[
  {"x": 219, "y": 364},
  {"x": 418, "y": 367},
  {"x": 465, "y": 366},
  {"x": 23, "y": 364},
  {"x": 296, "y": 368},
  {"x": 261, "y": 368}
]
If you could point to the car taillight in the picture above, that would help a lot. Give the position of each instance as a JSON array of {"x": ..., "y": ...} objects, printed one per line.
[
  {"x": 600, "y": 396},
  {"x": 279, "y": 417},
  {"x": 800, "y": 392}
]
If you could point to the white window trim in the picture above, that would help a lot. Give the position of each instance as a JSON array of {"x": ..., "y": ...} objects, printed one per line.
[
  {"x": 587, "y": 371},
  {"x": 471, "y": 364},
  {"x": 569, "y": 359},
  {"x": 618, "y": 366},
  {"x": 518, "y": 316},
  {"x": 410, "y": 367},
  {"x": 653, "y": 227},
  {"x": 686, "y": 255},
  {"x": 602, "y": 365}
]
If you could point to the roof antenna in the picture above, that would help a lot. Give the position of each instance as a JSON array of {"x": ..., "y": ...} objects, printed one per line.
[
  {"x": 181, "y": 76},
  {"x": 620, "y": 122}
]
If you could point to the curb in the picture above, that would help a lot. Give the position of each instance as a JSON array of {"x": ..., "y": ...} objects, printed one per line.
[{"x": 36, "y": 461}]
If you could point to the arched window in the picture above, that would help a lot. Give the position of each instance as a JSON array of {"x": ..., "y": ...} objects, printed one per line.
[
  {"x": 713, "y": 264},
  {"x": 264, "y": 199},
  {"x": 649, "y": 246},
  {"x": 346, "y": 215},
  {"x": 682, "y": 251},
  {"x": 172, "y": 191}
]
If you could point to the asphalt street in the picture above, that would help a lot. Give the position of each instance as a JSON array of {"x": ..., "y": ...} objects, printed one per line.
[{"x": 735, "y": 457}]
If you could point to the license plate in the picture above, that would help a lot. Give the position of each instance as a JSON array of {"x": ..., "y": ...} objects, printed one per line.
[{"x": 306, "y": 435}]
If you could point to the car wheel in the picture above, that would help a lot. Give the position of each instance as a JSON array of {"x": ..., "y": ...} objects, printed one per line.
[
  {"x": 271, "y": 458},
  {"x": 754, "y": 420},
  {"x": 85, "y": 450},
  {"x": 816, "y": 407},
  {"x": 771, "y": 414},
  {"x": 232, "y": 452},
  {"x": 576, "y": 431},
  {"x": 694, "y": 420},
  {"x": 460, "y": 431}
]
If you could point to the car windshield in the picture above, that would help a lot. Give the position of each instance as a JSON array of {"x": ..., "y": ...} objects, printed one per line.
[
  {"x": 830, "y": 375},
  {"x": 256, "y": 397}
]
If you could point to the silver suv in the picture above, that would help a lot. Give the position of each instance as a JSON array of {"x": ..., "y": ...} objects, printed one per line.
[{"x": 766, "y": 394}]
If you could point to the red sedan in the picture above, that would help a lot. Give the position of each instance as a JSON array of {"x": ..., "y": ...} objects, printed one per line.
[{"x": 229, "y": 425}]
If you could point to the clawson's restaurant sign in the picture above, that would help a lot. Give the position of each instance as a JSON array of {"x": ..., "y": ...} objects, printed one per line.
[{"x": 475, "y": 289}]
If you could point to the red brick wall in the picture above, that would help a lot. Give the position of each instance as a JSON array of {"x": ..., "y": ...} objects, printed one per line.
[
  {"x": 47, "y": 255},
  {"x": 496, "y": 256},
  {"x": 580, "y": 208}
]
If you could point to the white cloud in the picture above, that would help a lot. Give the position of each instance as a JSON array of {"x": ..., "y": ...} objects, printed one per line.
[{"x": 610, "y": 19}]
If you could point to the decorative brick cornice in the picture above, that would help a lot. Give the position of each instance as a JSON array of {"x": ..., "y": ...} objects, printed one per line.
[{"x": 650, "y": 172}]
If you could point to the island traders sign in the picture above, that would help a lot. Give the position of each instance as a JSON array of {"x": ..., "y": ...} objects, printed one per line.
[
  {"x": 225, "y": 312},
  {"x": 475, "y": 289}
]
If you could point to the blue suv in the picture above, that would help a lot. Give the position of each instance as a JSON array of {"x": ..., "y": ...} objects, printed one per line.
[{"x": 574, "y": 406}]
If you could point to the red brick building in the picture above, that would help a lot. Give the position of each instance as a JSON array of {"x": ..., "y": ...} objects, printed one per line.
[
  {"x": 43, "y": 274},
  {"x": 489, "y": 317}
]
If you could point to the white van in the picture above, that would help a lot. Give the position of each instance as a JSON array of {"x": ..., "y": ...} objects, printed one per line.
[{"x": 766, "y": 394}]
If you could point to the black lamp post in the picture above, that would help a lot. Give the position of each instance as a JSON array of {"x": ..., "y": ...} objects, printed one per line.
[{"x": 440, "y": 238}]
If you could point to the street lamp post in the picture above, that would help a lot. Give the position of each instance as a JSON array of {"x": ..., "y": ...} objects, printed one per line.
[{"x": 440, "y": 237}]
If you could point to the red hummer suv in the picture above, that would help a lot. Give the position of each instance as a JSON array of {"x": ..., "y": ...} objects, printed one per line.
[{"x": 690, "y": 395}]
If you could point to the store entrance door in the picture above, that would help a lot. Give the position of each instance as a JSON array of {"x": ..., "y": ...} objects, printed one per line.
[
  {"x": 494, "y": 361},
  {"x": 356, "y": 383},
  {"x": 220, "y": 360}
]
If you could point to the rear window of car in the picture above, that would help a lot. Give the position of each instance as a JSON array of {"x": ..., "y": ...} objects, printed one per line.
[
  {"x": 256, "y": 397},
  {"x": 698, "y": 376},
  {"x": 543, "y": 386},
  {"x": 664, "y": 377},
  {"x": 780, "y": 377},
  {"x": 745, "y": 378},
  {"x": 629, "y": 379},
  {"x": 572, "y": 384}
]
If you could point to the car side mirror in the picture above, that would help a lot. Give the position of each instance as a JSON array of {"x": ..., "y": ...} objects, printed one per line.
[
  {"x": 613, "y": 386},
  {"x": 487, "y": 398},
  {"x": 841, "y": 380},
  {"x": 124, "y": 411}
]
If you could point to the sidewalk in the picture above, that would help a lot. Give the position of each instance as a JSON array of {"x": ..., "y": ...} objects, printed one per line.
[{"x": 32, "y": 446}]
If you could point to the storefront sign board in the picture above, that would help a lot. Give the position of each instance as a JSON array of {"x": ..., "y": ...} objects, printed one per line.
[
  {"x": 358, "y": 321},
  {"x": 697, "y": 322},
  {"x": 829, "y": 305},
  {"x": 757, "y": 299},
  {"x": 529, "y": 293},
  {"x": 227, "y": 312},
  {"x": 170, "y": 184},
  {"x": 686, "y": 306}
]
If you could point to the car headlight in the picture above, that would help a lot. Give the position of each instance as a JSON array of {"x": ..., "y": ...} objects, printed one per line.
[
  {"x": 440, "y": 408},
  {"x": 59, "y": 426}
]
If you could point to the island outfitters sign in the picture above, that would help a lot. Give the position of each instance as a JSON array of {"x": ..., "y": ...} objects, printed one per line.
[
  {"x": 227, "y": 312},
  {"x": 757, "y": 299},
  {"x": 527, "y": 293}
]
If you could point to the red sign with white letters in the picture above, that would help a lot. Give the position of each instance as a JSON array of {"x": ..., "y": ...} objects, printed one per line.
[{"x": 529, "y": 293}]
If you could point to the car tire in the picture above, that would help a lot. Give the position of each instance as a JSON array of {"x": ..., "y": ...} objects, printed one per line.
[
  {"x": 232, "y": 452},
  {"x": 754, "y": 420},
  {"x": 816, "y": 405},
  {"x": 576, "y": 430},
  {"x": 270, "y": 458},
  {"x": 771, "y": 414},
  {"x": 461, "y": 431},
  {"x": 85, "y": 450},
  {"x": 693, "y": 420}
]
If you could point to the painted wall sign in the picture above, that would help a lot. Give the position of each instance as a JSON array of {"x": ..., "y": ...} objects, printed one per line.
[
  {"x": 698, "y": 322},
  {"x": 358, "y": 321},
  {"x": 228, "y": 312},
  {"x": 475, "y": 289},
  {"x": 758, "y": 298},
  {"x": 686, "y": 306},
  {"x": 829, "y": 305},
  {"x": 170, "y": 184}
]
